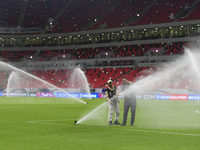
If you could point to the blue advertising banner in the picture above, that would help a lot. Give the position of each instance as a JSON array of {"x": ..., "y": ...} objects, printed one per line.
[
  {"x": 0, "y": 93},
  {"x": 93, "y": 95},
  {"x": 73, "y": 95},
  {"x": 45, "y": 94},
  {"x": 78, "y": 95},
  {"x": 62, "y": 95},
  {"x": 162, "y": 97},
  {"x": 193, "y": 97}
]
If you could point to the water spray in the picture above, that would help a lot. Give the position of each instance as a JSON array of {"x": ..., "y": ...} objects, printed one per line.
[
  {"x": 84, "y": 118},
  {"x": 14, "y": 68},
  {"x": 82, "y": 79}
]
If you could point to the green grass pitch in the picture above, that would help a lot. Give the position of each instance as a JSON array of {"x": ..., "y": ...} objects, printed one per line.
[{"x": 48, "y": 124}]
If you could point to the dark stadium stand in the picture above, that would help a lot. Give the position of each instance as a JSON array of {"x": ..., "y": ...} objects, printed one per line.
[
  {"x": 38, "y": 12},
  {"x": 114, "y": 62},
  {"x": 10, "y": 12},
  {"x": 90, "y": 53},
  {"x": 47, "y": 55},
  {"x": 123, "y": 11},
  {"x": 89, "y": 15},
  {"x": 160, "y": 12},
  {"x": 135, "y": 50},
  {"x": 80, "y": 13},
  {"x": 14, "y": 56},
  {"x": 194, "y": 15}
]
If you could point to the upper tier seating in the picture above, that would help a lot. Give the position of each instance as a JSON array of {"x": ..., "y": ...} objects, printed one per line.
[
  {"x": 194, "y": 15},
  {"x": 79, "y": 13},
  {"x": 47, "y": 55},
  {"x": 160, "y": 12},
  {"x": 90, "y": 53},
  {"x": 118, "y": 15},
  {"x": 8, "y": 56},
  {"x": 38, "y": 12},
  {"x": 10, "y": 11},
  {"x": 135, "y": 50}
]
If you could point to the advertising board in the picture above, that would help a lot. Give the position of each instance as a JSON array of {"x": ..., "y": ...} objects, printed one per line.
[
  {"x": 193, "y": 97},
  {"x": 172, "y": 96},
  {"x": 45, "y": 94},
  {"x": 78, "y": 95}
]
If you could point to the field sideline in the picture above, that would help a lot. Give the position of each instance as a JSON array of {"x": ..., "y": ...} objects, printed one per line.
[{"x": 48, "y": 123}]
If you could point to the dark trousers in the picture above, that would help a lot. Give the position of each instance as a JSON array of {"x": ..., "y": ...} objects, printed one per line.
[{"x": 129, "y": 103}]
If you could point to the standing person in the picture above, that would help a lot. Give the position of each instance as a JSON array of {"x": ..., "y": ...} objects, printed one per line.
[
  {"x": 113, "y": 101},
  {"x": 130, "y": 101}
]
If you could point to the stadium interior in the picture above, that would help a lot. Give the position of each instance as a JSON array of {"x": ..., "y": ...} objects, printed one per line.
[{"x": 107, "y": 39}]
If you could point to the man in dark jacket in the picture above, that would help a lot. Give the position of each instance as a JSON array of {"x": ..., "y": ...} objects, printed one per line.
[{"x": 130, "y": 101}]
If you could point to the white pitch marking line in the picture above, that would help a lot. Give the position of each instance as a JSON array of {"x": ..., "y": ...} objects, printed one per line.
[
  {"x": 103, "y": 117},
  {"x": 198, "y": 111},
  {"x": 119, "y": 117},
  {"x": 164, "y": 132},
  {"x": 134, "y": 130},
  {"x": 49, "y": 120},
  {"x": 166, "y": 115}
]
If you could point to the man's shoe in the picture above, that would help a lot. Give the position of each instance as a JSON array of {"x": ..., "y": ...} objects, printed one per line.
[
  {"x": 116, "y": 122},
  {"x": 123, "y": 125},
  {"x": 131, "y": 124},
  {"x": 110, "y": 123}
]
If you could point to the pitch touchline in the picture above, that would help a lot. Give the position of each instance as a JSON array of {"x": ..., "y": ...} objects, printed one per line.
[
  {"x": 198, "y": 111},
  {"x": 135, "y": 130},
  {"x": 119, "y": 117},
  {"x": 163, "y": 132},
  {"x": 166, "y": 115},
  {"x": 50, "y": 120}
]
